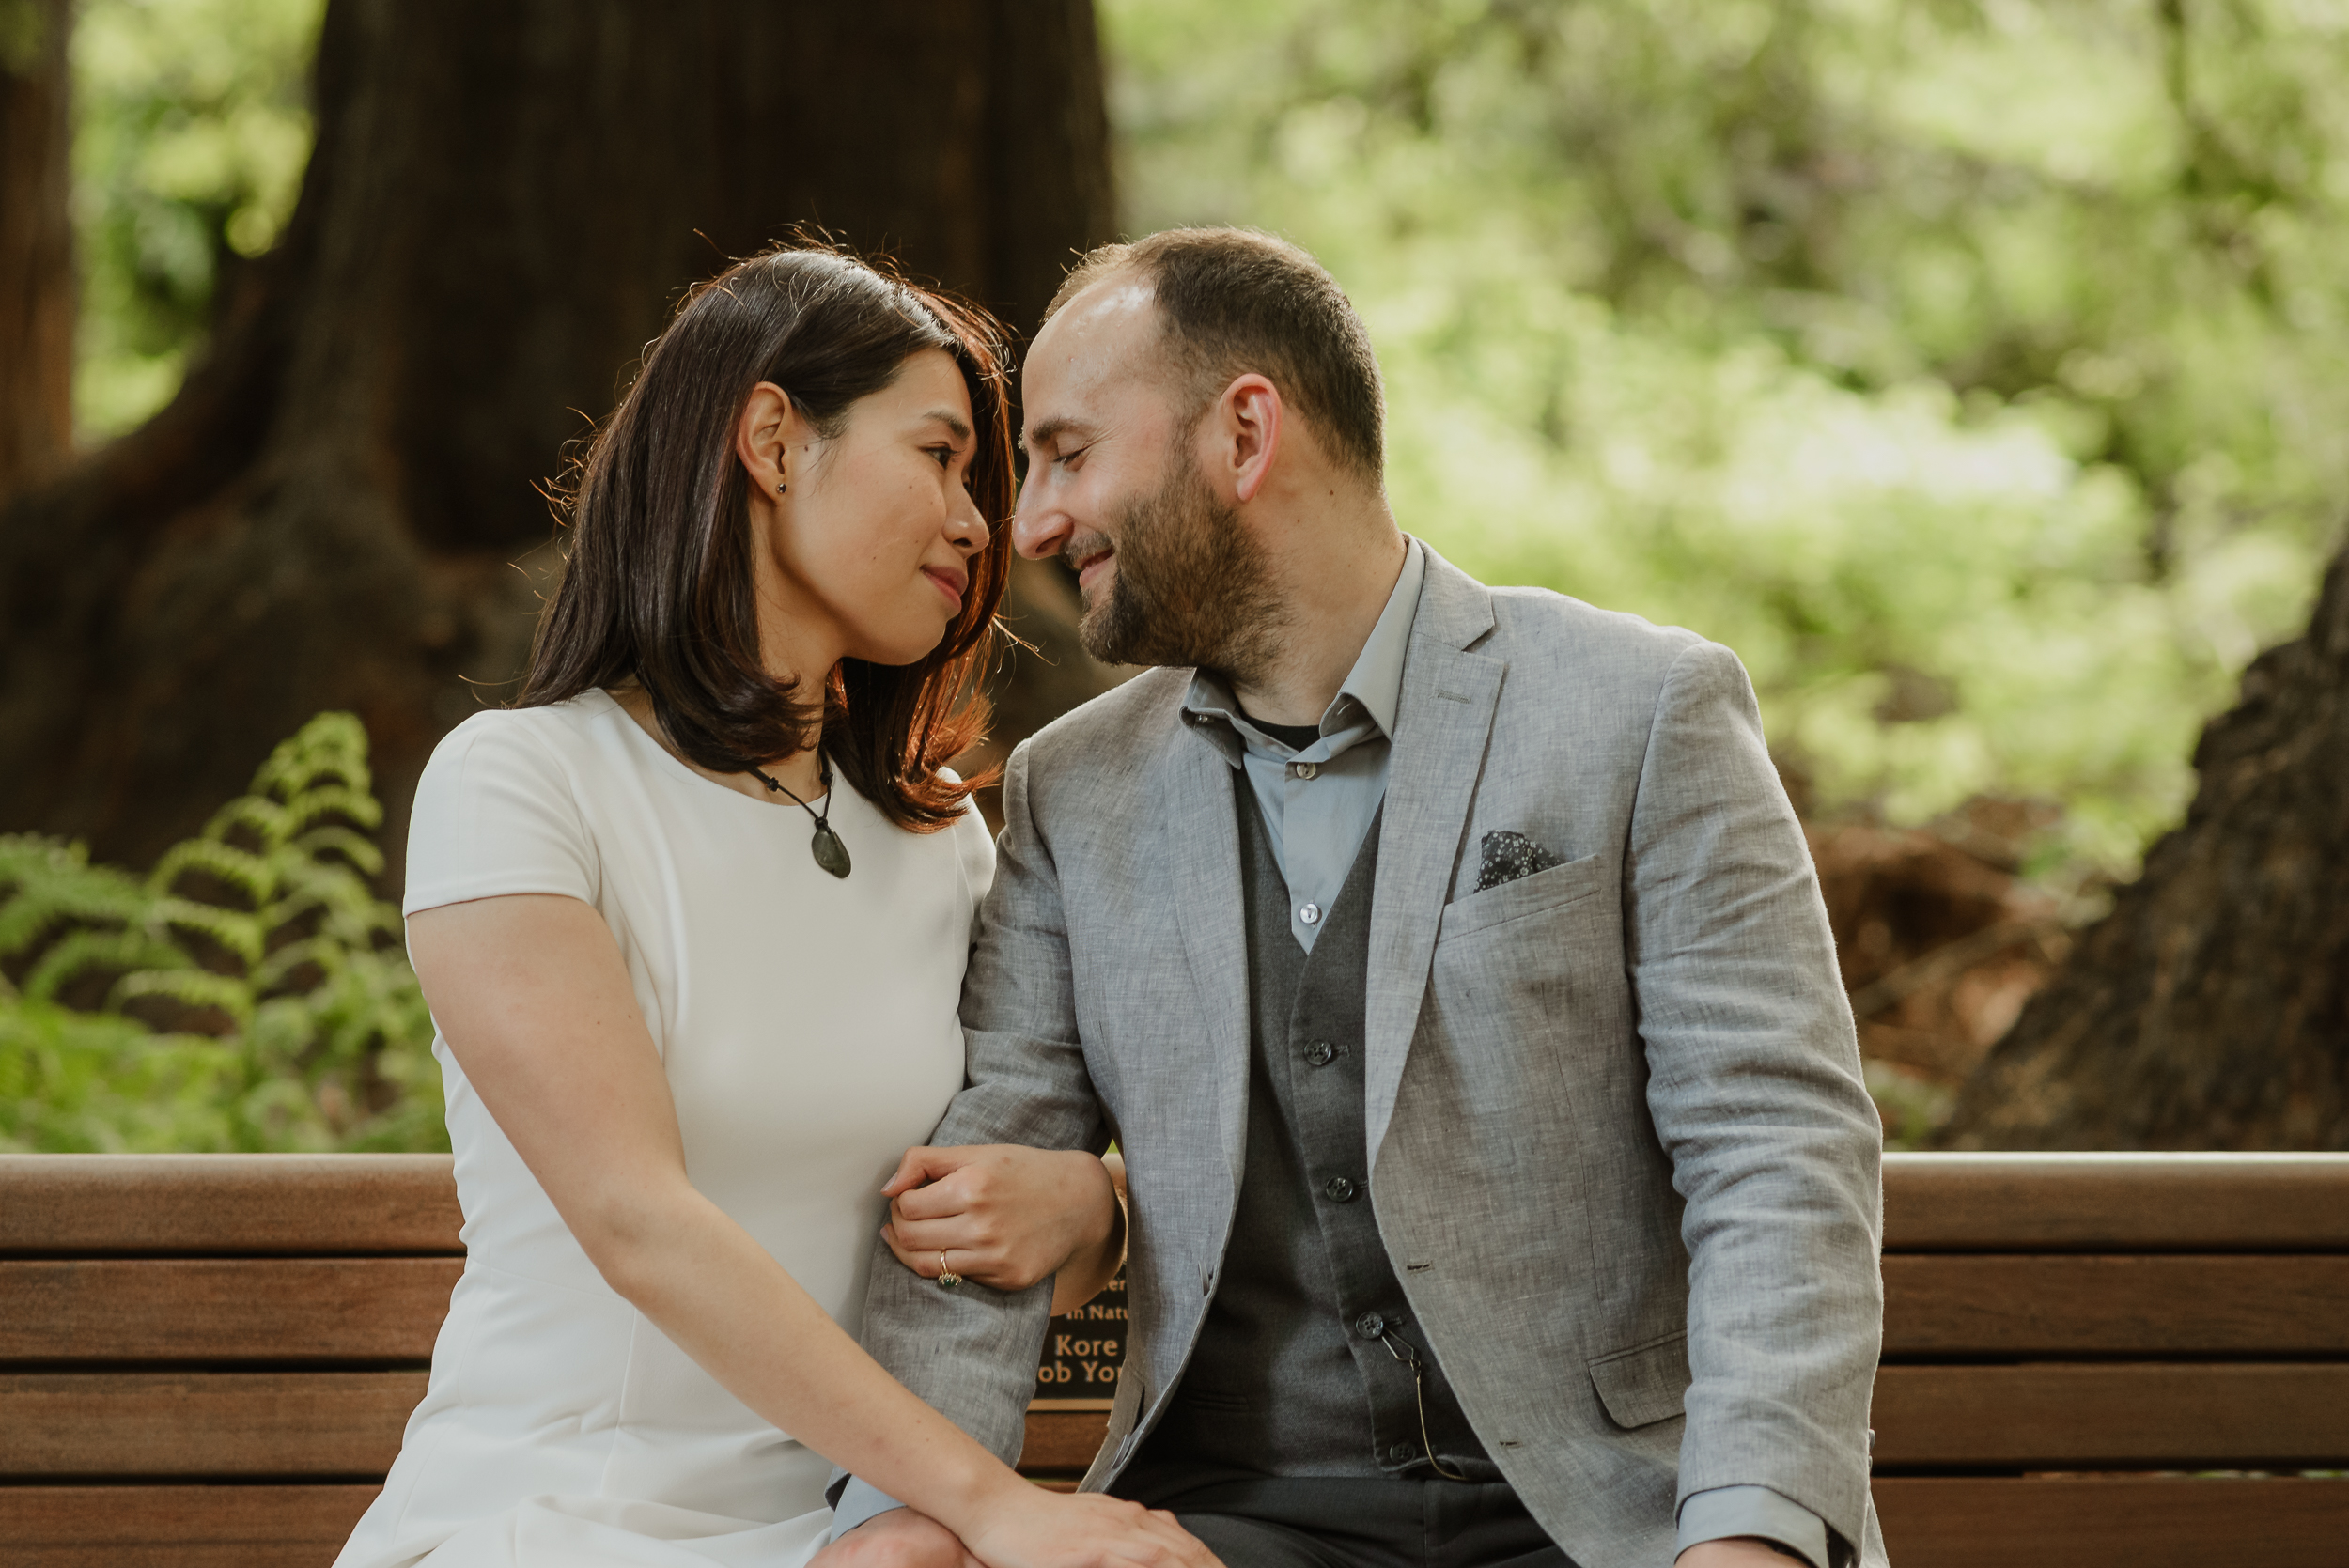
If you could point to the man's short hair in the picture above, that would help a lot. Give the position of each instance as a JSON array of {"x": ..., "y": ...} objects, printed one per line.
[{"x": 1236, "y": 299}]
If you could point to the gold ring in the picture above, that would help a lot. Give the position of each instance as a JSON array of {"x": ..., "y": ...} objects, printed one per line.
[{"x": 947, "y": 1277}]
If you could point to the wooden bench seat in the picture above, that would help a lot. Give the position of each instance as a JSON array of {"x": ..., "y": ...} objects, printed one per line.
[{"x": 2088, "y": 1360}]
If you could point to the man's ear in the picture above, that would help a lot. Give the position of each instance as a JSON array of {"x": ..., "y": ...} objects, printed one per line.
[
  {"x": 762, "y": 439},
  {"x": 1248, "y": 418}
]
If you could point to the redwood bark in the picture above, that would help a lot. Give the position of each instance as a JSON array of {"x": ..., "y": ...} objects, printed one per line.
[
  {"x": 2210, "y": 1009},
  {"x": 35, "y": 243},
  {"x": 503, "y": 205}
]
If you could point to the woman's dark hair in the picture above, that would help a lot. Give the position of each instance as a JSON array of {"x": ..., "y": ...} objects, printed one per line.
[{"x": 658, "y": 586}]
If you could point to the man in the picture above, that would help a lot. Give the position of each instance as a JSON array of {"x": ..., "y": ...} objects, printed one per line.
[{"x": 1449, "y": 966}]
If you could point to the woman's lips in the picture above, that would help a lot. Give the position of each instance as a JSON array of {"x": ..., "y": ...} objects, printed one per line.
[{"x": 948, "y": 584}]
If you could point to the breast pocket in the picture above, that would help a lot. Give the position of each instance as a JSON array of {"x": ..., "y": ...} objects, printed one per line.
[{"x": 1528, "y": 895}]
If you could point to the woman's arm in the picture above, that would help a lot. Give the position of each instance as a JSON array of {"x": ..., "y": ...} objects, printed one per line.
[
  {"x": 1010, "y": 1216},
  {"x": 534, "y": 998}
]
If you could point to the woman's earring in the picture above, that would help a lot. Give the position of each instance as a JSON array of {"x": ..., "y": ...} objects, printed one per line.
[{"x": 780, "y": 489}]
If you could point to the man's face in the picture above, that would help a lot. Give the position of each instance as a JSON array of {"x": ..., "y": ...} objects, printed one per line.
[{"x": 1116, "y": 482}]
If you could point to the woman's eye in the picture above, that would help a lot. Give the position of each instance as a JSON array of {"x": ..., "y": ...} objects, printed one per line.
[{"x": 945, "y": 456}]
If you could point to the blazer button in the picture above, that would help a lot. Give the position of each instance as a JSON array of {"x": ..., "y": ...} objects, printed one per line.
[
  {"x": 1339, "y": 1191},
  {"x": 1321, "y": 1053}
]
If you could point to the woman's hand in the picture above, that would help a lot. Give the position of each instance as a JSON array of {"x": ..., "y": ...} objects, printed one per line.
[
  {"x": 1085, "y": 1530},
  {"x": 1009, "y": 1216}
]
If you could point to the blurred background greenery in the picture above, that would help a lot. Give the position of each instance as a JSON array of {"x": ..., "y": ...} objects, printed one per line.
[{"x": 1971, "y": 367}]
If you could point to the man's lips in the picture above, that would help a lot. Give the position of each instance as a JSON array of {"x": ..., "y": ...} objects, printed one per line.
[
  {"x": 1092, "y": 565},
  {"x": 951, "y": 584}
]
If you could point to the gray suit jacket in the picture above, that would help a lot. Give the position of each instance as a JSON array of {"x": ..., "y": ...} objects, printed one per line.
[{"x": 1621, "y": 1151}]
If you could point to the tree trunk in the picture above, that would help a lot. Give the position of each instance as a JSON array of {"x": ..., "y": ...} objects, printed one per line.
[
  {"x": 36, "y": 243},
  {"x": 2210, "y": 1009},
  {"x": 504, "y": 203}
]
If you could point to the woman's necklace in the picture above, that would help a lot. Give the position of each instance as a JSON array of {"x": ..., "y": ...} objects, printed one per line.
[{"x": 826, "y": 846}]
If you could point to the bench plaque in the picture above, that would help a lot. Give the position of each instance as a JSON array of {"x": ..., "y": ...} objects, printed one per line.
[{"x": 1083, "y": 1352}]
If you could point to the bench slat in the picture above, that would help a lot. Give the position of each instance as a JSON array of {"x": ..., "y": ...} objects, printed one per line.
[
  {"x": 2121, "y": 1416},
  {"x": 2116, "y": 1203},
  {"x": 233, "y": 1309},
  {"x": 389, "y": 1309},
  {"x": 227, "y": 1205},
  {"x": 292, "y": 1204},
  {"x": 179, "y": 1527},
  {"x": 304, "y": 1424},
  {"x": 2113, "y": 1522},
  {"x": 1929, "y": 1522},
  {"x": 2041, "y": 1305},
  {"x": 1063, "y": 1440}
]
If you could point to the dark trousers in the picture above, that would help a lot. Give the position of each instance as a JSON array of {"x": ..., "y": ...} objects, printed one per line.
[{"x": 1253, "y": 1521}]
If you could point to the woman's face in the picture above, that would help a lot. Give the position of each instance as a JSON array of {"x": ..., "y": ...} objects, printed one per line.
[{"x": 870, "y": 547}]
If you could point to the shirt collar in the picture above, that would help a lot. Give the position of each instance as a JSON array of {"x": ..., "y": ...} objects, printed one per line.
[{"x": 1366, "y": 699}]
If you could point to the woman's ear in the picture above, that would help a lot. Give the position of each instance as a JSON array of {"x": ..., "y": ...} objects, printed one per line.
[{"x": 762, "y": 439}]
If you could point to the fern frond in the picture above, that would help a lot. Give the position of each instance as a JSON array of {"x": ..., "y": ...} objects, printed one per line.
[
  {"x": 331, "y": 745},
  {"x": 234, "y": 929},
  {"x": 52, "y": 882},
  {"x": 190, "y": 988},
  {"x": 264, "y": 819},
  {"x": 80, "y": 952},
  {"x": 252, "y": 874},
  {"x": 335, "y": 839},
  {"x": 334, "y": 799},
  {"x": 324, "y": 951}
]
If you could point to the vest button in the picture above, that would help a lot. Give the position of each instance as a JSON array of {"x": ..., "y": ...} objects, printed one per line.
[
  {"x": 1370, "y": 1326},
  {"x": 1339, "y": 1191},
  {"x": 1310, "y": 913},
  {"x": 1400, "y": 1452},
  {"x": 1321, "y": 1053}
]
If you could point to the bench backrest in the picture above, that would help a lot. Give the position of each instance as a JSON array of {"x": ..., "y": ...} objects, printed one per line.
[{"x": 210, "y": 1359}]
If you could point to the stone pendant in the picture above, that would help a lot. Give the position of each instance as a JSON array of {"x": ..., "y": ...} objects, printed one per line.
[{"x": 828, "y": 851}]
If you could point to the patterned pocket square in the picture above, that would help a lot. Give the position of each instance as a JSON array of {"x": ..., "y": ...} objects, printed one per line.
[{"x": 1509, "y": 856}]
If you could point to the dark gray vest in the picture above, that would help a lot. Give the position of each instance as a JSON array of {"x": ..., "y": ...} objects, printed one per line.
[{"x": 1294, "y": 1374}]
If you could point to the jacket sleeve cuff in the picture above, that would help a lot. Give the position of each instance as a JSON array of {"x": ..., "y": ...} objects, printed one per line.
[
  {"x": 861, "y": 1501},
  {"x": 1723, "y": 1511}
]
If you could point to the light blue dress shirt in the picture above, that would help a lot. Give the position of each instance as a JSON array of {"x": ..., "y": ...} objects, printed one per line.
[{"x": 1318, "y": 801}]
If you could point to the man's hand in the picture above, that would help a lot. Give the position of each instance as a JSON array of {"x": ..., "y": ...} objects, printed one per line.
[
  {"x": 1737, "y": 1552},
  {"x": 899, "y": 1539}
]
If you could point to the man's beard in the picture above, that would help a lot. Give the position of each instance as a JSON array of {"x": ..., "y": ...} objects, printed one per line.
[{"x": 1188, "y": 585}]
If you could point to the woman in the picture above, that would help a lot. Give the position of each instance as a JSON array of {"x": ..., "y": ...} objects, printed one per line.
[{"x": 693, "y": 919}]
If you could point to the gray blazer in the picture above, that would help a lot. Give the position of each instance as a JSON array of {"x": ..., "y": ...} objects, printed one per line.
[{"x": 1622, "y": 1154}]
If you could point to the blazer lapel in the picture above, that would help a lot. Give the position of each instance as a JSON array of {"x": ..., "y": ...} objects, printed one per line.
[
  {"x": 1204, "y": 837},
  {"x": 1443, "y": 720}
]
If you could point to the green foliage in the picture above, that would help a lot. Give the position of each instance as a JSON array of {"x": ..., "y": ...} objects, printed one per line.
[
  {"x": 191, "y": 130},
  {"x": 1972, "y": 367},
  {"x": 250, "y": 993}
]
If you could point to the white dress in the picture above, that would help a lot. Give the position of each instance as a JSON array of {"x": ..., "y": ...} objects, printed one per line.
[{"x": 807, "y": 1028}]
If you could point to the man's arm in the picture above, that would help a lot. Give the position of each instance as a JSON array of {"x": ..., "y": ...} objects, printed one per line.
[
  {"x": 971, "y": 1351},
  {"x": 1755, "y": 1088}
]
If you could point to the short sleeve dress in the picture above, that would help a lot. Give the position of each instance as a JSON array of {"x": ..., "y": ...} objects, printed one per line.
[{"x": 807, "y": 1028}]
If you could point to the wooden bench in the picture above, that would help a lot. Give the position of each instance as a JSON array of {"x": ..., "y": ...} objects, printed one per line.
[{"x": 207, "y": 1360}]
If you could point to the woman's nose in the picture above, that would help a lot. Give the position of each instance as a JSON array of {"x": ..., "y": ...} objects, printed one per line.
[{"x": 968, "y": 529}]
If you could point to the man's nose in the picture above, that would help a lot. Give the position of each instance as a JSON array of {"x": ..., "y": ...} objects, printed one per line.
[{"x": 1038, "y": 530}]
